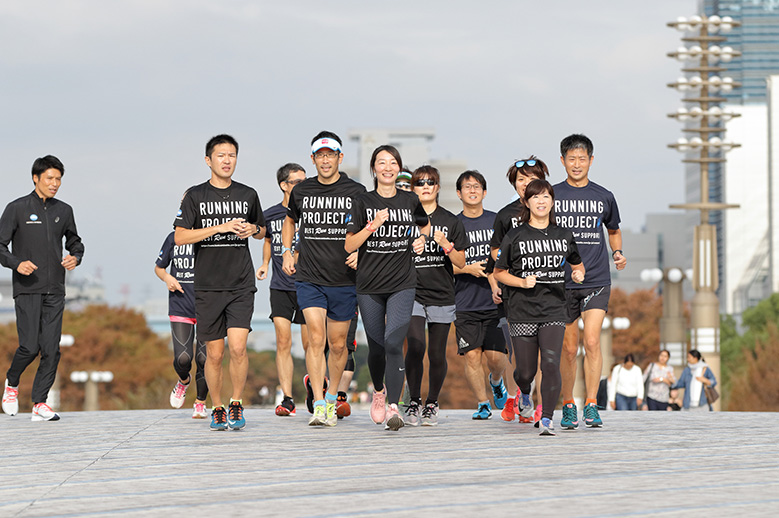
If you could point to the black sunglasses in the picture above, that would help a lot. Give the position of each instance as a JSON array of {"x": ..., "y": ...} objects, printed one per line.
[{"x": 424, "y": 181}]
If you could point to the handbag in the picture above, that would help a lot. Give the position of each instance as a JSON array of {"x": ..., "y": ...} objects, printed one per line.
[{"x": 711, "y": 393}]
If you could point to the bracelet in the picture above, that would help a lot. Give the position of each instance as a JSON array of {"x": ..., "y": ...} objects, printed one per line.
[
  {"x": 447, "y": 252},
  {"x": 615, "y": 251},
  {"x": 369, "y": 228},
  {"x": 285, "y": 249}
]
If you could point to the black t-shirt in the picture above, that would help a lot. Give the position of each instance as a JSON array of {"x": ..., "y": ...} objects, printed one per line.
[
  {"x": 223, "y": 261},
  {"x": 181, "y": 260},
  {"x": 435, "y": 276},
  {"x": 274, "y": 218},
  {"x": 586, "y": 211},
  {"x": 529, "y": 251},
  {"x": 385, "y": 263},
  {"x": 506, "y": 219},
  {"x": 321, "y": 213},
  {"x": 474, "y": 293}
]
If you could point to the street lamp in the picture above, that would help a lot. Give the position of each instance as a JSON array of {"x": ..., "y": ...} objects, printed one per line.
[
  {"x": 704, "y": 120},
  {"x": 673, "y": 331},
  {"x": 90, "y": 379}
]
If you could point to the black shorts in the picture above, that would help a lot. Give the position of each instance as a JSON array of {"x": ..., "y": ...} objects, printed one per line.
[
  {"x": 218, "y": 311},
  {"x": 581, "y": 300},
  {"x": 284, "y": 304},
  {"x": 479, "y": 329}
]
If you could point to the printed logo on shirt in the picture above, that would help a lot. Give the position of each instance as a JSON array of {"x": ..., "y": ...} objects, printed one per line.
[
  {"x": 33, "y": 220},
  {"x": 178, "y": 214},
  {"x": 57, "y": 219},
  {"x": 33, "y": 217}
]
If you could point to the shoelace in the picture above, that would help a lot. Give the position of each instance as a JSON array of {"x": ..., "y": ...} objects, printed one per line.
[
  {"x": 42, "y": 408},
  {"x": 428, "y": 411},
  {"x": 526, "y": 400},
  {"x": 497, "y": 390},
  {"x": 11, "y": 394},
  {"x": 220, "y": 416},
  {"x": 235, "y": 412},
  {"x": 180, "y": 389},
  {"x": 411, "y": 409}
]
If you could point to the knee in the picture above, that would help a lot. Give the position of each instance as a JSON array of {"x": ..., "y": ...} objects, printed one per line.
[
  {"x": 592, "y": 345},
  {"x": 473, "y": 359},
  {"x": 215, "y": 356}
]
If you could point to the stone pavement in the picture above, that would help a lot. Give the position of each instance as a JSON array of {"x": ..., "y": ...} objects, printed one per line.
[{"x": 162, "y": 462}]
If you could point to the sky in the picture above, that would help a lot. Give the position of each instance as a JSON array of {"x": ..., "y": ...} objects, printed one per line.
[{"x": 126, "y": 94}]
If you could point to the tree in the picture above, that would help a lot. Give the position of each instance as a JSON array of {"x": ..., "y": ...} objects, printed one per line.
[{"x": 644, "y": 308}]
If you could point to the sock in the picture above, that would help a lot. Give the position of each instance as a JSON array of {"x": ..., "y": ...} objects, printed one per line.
[
  {"x": 319, "y": 402},
  {"x": 215, "y": 407},
  {"x": 591, "y": 401},
  {"x": 431, "y": 402},
  {"x": 239, "y": 401},
  {"x": 330, "y": 398},
  {"x": 569, "y": 401},
  {"x": 289, "y": 398},
  {"x": 496, "y": 383},
  {"x": 485, "y": 402}
]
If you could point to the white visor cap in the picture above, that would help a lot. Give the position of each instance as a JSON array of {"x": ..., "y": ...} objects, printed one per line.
[{"x": 329, "y": 143}]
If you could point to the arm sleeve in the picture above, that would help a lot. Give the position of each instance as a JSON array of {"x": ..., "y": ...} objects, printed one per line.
[
  {"x": 73, "y": 243},
  {"x": 710, "y": 376},
  {"x": 7, "y": 230},
  {"x": 166, "y": 252},
  {"x": 640, "y": 383}
]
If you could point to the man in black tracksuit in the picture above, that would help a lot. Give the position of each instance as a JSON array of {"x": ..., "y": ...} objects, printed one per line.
[{"x": 34, "y": 226}]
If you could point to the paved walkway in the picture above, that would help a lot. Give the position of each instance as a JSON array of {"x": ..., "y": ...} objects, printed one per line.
[{"x": 155, "y": 462}]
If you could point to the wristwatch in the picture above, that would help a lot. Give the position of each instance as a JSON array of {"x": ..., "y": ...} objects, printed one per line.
[{"x": 258, "y": 228}]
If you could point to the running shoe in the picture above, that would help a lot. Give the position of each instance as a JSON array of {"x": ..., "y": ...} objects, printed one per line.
[
  {"x": 310, "y": 392},
  {"x": 483, "y": 412},
  {"x": 429, "y": 415},
  {"x": 10, "y": 399},
  {"x": 508, "y": 410},
  {"x": 394, "y": 420},
  {"x": 342, "y": 406},
  {"x": 412, "y": 413},
  {"x": 178, "y": 394},
  {"x": 199, "y": 411},
  {"x": 537, "y": 414},
  {"x": 547, "y": 427},
  {"x": 319, "y": 417},
  {"x": 218, "y": 419},
  {"x": 331, "y": 418},
  {"x": 286, "y": 407},
  {"x": 379, "y": 406},
  {"x": 570, "y": 419},
  {"x": 499, "y": 393},
  {"x": 43, "y": 412},
  {"x": 235, "y": 419},
  {"x": 592, "y": 416},
  {"x": 525, "y": 407}
]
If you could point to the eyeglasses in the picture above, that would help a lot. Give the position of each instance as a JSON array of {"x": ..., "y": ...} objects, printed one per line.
[
  {"x": 293, "y": 182},
  {"x": 520, "y": 163},
  {"x": 472, "y": 187},
  {"x": 320, "y": 156},
  {"x": 425, "y": 181}
]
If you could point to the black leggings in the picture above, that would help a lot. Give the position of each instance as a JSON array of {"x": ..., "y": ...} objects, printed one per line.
[
  {"x": 386, "y": 319},
  {"x": 415, "y": 355},
  {"x": 183, "y": 335},
  {"x": 549, "y": 341}
]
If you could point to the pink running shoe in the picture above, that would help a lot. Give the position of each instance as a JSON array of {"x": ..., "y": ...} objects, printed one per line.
[
  {"x": 537, "y": 414},
  {"x": 178, "y": 394},
  {"x": 199, "y": 411},
  {"x": 379, "y": 406}
]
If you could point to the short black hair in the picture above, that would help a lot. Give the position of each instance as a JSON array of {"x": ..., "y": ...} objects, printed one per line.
[
  {"x": 327, "y": 134},
  {"x": 471, "y": 173},
  {"x": 538, "y": 170},
  {"x": 47, "y": 162},
  {"x": 282, "y": 175},
  {"x": 220, "y": 139},
  {"x": 576, "y": 141},
  {"x": 533, "y": 188}
]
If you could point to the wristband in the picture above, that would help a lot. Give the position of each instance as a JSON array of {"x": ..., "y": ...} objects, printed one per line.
[
  {"x": 285, "y": 249},
  {"x": 369, "y": 228},
  {"x": 447, "y": 252},
  {"x": 615, "y": 251}
]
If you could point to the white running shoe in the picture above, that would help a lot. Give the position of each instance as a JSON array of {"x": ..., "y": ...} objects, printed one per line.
[
  {"x": 10, "y": 399},
  {"x": 178, "y": 395},
  {"x": 200, "y": 411},
  {"x": 394, "y": 419},
  {"x": 43, "y": 412}
]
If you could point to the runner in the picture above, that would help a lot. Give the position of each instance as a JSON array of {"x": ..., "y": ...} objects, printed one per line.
[
  {"x": 324, "y": 274},
  {"x": 34, "y": 226},
  {"x": 283, "y": 298},
  {"x": 531, "y": 266},
  {"x": 181, "y": 311},
  {"x": 403, "y": 182},
  {"x": 218, "y": 216},
  {"x": 586, "y": 209},
  {"x": 479, "y": 334},
  {"x": 434, "y": 300},
  {"x": 381, "y": 225},
  {"x": 521, "y": 173}
]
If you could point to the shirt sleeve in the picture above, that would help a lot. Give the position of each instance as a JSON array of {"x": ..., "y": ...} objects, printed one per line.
[
  {"x": 573, "y": 252},
  {"x": 420, "y": 216},
  {"x": 458, "y": 236},
  {"x": 166, "y": 253},
  {"x": 504, "y": 255},
  {"x": 356, "y": 218},
  {"x": 292, "y": 209},
  {"x": 186, "y": 215},
  {"x": 257, "y": 215},
  {"x": 7, "y": 231},
  {"x": 73, "y": 243},
  {"x": 612, "y": 219},
  {"x": 499, "y": 232}
]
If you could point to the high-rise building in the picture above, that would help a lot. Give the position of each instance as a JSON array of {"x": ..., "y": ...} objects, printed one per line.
[{"x": 758, "y": 41}]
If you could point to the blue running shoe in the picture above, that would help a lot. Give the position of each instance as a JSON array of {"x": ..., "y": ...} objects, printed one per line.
[
  {"x": 592, "y": 416},
  {"x": 499, "y": 394},
  {"x": 547, "y": 427},
  {"x": 484, "y": 412},
  {"x": 218, "y": 419},
  {"x": 235, "y": 419},
  {"x": 525, "y": 407},
  {"x": 570, "y": 419}
]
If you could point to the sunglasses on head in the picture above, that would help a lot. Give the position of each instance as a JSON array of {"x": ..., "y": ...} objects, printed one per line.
[
  {"x": 521, "y": 163},
  {"x": 424, "y": 181}
]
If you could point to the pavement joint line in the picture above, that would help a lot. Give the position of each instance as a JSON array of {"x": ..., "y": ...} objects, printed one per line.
[{"x": 66, "y": 479}]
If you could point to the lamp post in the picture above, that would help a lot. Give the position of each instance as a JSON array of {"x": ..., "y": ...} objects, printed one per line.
[
  {"x": 90, "y": 379},
  {"x": 703, "y": 84}
]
